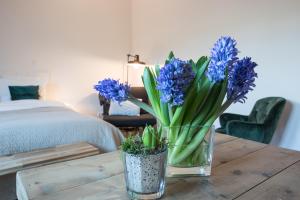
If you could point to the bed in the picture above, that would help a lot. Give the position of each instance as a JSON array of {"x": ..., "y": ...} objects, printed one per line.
[{"x": 26, "y": 125}]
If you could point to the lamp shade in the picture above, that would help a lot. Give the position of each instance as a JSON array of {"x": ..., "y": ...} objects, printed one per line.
[
  {"x": 134, "y": 60},
  {"x": 134, "y": 69}
]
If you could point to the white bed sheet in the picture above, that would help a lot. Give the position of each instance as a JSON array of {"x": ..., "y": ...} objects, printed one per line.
[
  {"x": 26, "y": 125},
  {"x": 28, "y": 104}
]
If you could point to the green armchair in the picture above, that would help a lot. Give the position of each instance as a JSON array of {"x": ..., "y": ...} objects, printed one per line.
[{"x": 259, "y": 126}]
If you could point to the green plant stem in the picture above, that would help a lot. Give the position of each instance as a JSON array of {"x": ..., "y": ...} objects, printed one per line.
[
  {"x": 210, "y": 114},
  {"x": 177, "y": 145},
  {"x": 175, "y": 159},
  {"x": 170, "y": 112},
  {"x": 199, "y": 136},
  {"x": 197, "y": 102},
  {"x": 181, "y": 143}
]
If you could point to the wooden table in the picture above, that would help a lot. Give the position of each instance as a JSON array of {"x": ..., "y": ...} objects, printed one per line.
[
  {"x": 10, "y": 164},
  {"x": 242, "y": 169}
]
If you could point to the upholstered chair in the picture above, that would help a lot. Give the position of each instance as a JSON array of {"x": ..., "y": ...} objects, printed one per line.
[
  {"x": 122, "y": 121},
  {"x": 259, "y": 126}
]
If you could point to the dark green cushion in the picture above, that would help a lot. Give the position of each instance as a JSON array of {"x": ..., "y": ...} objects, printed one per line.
[{"x": 24, "y": 92}]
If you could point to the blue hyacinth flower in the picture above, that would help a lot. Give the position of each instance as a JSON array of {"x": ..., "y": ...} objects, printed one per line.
[
  {"x": 223, "y": 55},
  {"x": 241, "y": 80},
  {"x": 113, "y": 90},
  {"x": 174, "y": 78}
]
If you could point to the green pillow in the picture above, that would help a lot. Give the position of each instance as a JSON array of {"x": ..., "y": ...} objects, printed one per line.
[{"x": 24, "y": 92}]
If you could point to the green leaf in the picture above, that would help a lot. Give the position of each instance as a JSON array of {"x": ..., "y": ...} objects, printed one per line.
[
  {"x": 193, "y": 64},
  {"x": 150, "y": 137},
  {"x": 157, "y": 70},
  {"x": 201, "y": 65},
  {"x": 142, "y": 105},
  {"x": 199, "y": 101},
  {"x": 201, "y": 61},
  {"x": 171, "y": 55},
  {"x": 152, "y": 92},
  {"x": 147, "y": 137},
  {"x": 177, "y": 116},
  {"x": 208, "y": 105},
  {"x": 153, "y": 73},
  {"x": 218, "y": 103}
]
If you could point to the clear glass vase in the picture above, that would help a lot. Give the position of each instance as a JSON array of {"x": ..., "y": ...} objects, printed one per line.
[
  {"x": 145, "y": 175},
  {"x": 190, "y": 150}
]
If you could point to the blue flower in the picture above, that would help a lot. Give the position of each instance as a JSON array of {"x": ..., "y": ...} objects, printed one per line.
[
  {"x": 174, "y": 78},
  {"x": 223, "y": 55},
  {"x": 241, "y": 80},
  {"x": 113, "y": 90}
]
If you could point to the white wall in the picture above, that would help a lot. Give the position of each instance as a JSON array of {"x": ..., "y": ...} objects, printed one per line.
[
  {"x": 78, "y": 42},
  {"x": 75, "y": 42},
  {"x": 267, "y": 30}
]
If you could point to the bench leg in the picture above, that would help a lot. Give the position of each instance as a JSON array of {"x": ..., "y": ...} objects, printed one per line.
[{"x": 8, "y": 187}]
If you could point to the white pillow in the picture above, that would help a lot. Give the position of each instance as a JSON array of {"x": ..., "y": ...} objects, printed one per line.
[
  {"x": 20, "y": 81},
  {"x": 124, "y": 108}
]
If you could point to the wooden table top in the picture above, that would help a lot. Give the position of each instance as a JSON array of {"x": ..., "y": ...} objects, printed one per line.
[{"x": 242, "y": 169}]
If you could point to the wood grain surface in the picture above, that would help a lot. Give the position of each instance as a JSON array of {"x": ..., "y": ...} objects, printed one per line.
[
  {"x": 242, "y": 169},
  {"x": 9, "y": 165},
  {"x": 13, "y": 163}
]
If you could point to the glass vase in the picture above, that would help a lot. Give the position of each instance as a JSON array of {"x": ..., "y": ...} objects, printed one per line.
[
  {"x": 190, "y": 150},
  {"x": 145, "y": 175}
]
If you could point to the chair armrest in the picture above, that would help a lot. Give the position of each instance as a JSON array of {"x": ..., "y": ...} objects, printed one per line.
[
  {"x": 226, "y": 117},
  {"x": 246, "y": 130}
]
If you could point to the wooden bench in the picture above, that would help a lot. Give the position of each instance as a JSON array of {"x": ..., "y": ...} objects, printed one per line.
[
  {"x": 241, "y": 170},
  {"x": 9, "y": 165}
]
